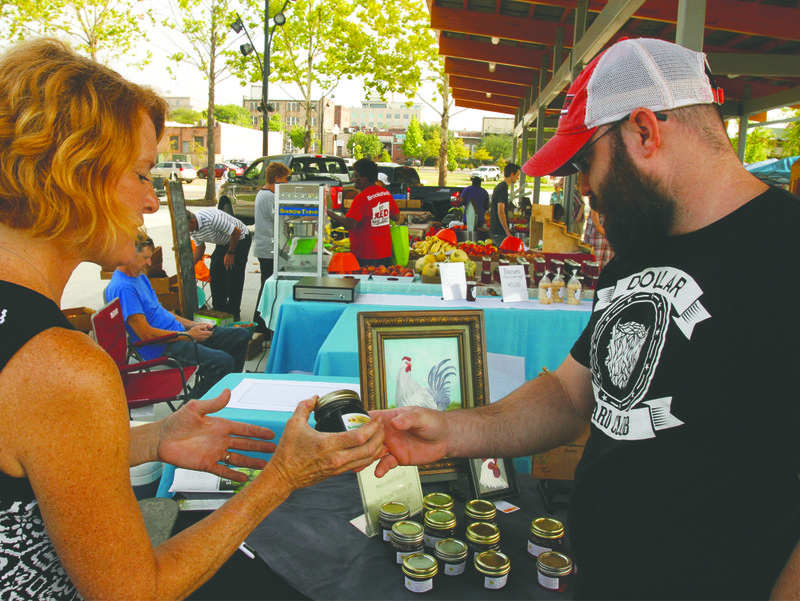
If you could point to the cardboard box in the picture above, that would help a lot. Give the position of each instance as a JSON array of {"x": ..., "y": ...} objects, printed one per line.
[
  {"x": 171, "y": 301},
  {"x": 414, "y": 203},
  {"x": 160, "y": 285},
  {"x": 256, "y": 346},
  {"x": 80, "y": 318},
  {"x": 215, "y": 318}
]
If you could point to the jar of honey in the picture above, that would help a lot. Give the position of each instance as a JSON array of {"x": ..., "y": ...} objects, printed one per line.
[
  {"x": 493, "y": 568},
  {"x": 390, "y": 513},
  {"x": 482, "y": 536},
  {"x": 479, "y": 510},
  {"x": 453, "y": 555},
  {"x": 407, "y": 538},
  {"x": 554, "y": 571},
  {"x": 547, "y": 534},
  {"x": 339, "y": 411},
  {"x": 439, "y": 524},
  {"x": 419, "y": 570}
]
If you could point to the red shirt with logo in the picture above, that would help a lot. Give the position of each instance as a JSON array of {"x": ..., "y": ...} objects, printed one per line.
[{"x": 372, "y": 208}]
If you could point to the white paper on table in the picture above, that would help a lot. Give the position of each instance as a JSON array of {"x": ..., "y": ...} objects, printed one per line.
[
  {"x": 506, "y": 374},
  {"x": 512, "y": 280},
  {"x": 454, "y": 281},
  {"x": 281, "y": 395},
  {"x": 194, "y": 481}
]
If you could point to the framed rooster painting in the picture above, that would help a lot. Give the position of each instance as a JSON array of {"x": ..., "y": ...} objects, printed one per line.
[
  {"x": 492, "y": 478},
  {"x": 433, "y": 359}
]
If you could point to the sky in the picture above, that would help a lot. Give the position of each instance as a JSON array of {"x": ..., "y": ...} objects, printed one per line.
[{"x": 349, "y": 93}]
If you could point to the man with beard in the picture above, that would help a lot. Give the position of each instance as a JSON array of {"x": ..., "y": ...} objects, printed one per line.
[{"x": 684, "y": 372}]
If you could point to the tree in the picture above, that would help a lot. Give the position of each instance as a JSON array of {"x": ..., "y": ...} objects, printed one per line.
[
  {"x": 760, "y": 145},
  {"x": 456, "y": 152},
  {"x": 482, "y": 155},
  {"x": 362, "y": 145},
  {"x": 204, "y": 25},
  {"x": 298, "y": 136},
  {"x": 498, "y": 146},
  {"x": 412, "y": 145},
  {"x": 791, "y": 138},
  {"x": 185, "y": 116},
  {"x": 233, "y": 114},
  {"x": 104, "y": 30},
  {"x": 275, "y": 122}
]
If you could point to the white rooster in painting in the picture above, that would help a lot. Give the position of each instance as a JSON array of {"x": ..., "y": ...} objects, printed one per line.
[{"x": 434, "y": 396}]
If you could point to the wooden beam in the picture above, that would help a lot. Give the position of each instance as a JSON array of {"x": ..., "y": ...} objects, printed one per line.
[
  {"x": 517, "y": 29},
  {"x": 481, "y": 106},
  {"x": 500, "y": 54},
  {"x": 479, "y": 70},
  {"x": 484, "y": 85},
  {"x": 481, "y": 97}
]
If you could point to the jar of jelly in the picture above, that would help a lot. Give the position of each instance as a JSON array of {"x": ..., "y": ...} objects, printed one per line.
[
  {"x": 391, "y": 512},
  {"x": 453, "y": 555},
  {"x": 493, "y": 568},
  {"x": 339, "y": 411},
  {"x": 482, "y": 536},
  {"x": 555, "y": 571},
  {"x": 437, "y": 500},
  {"x": 419, "y": 570},
  {"x": 407, "y": 539},
  {"x": 439, "y": 524},
  {"x": 479, "y": 510},
  {"x": 547, "y": 534}
]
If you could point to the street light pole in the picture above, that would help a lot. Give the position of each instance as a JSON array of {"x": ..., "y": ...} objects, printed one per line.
[{"x": 265, "y": 83}]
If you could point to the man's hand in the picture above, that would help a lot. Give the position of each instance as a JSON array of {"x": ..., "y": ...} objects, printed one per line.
[
  {"x": 201, "y": 331},
  {"x": 413, "y": 436},
  {"x": 229, "y": 261},
  {"x": 190, "y": 439}
]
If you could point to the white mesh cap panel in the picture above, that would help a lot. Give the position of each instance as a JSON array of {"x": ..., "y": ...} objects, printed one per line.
[{"x": 645, "y": 73}]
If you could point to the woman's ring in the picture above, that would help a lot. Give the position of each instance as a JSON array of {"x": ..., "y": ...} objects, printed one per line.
[{"x": 228, "y": 459}]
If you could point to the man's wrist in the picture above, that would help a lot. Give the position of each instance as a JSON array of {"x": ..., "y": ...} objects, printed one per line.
[{"x": 230, "y": 252}]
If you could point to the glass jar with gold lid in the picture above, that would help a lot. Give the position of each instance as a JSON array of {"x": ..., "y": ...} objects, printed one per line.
[
  {"x": 437, "y": 500},
  {"x": 439, "y": 524},
  {"x": 493, "y": 568},
  {"x": 391, "y": 512},
  {"x": 483, "y": 536},
  {"x": 419, "y": 570},
  {"x": 407, "y": 538},
  {"x": 339, "y": 411},
  {"x": 554, "y": 570},
  {"x": 479, "y": 510},
  {"x": 547, "y": 534},
  {"x": 453, "y": 555}
]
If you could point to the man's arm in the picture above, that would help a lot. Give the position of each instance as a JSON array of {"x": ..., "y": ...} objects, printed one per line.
[
  {"x": 542, "y": 414},
  {"x": 138, "y": 323},
  {"x": 347, "y": 223},
  {"x": 230, "y": 253},
  {"x": 198, "y": 252},
  {"x": 788, "y": 585},
  {"x": 501, "y": 215}
]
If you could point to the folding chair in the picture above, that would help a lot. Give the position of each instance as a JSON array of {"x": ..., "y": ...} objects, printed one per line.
[{"x": 143, "y": 385}]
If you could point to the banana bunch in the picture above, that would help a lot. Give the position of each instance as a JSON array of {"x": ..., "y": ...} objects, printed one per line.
[
  {"x": 433, "y": 245},
  {"x": 342, "y": 245}
]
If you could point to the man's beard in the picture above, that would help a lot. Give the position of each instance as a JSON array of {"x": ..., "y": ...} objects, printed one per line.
[{"x": 637, "y": 213}]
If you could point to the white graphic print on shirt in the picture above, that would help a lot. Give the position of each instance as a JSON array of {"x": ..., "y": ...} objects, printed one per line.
[
  {"x": 627, "y": 344},
  {"x": 380, "y": 214}
]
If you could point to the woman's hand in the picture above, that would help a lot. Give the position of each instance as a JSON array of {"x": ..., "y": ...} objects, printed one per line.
[
  {"x": 190, "y": 439},
  {"x": 305, "y": 456}
]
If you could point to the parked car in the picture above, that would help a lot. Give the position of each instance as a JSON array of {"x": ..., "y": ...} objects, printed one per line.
[
  {"x": 220, "y": 169},
  {"x": 243, "y": 163},
  {"x": 487, "y": 172},
  {"x": 237, "y": 195},
  {"x": 404, "y": 182},
  {"x": 175, "y": 170},
  {"x": 412, "y": 163}
]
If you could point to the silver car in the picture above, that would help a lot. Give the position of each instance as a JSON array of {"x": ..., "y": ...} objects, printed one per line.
[
  {"x": 175, "y": 171},
  {"x": 486, "y": 172}
]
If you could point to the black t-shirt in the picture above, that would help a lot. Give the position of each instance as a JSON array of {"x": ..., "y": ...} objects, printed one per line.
[
  {"x": 499, "y": 195},
  {"x": 688, "y": 486}
]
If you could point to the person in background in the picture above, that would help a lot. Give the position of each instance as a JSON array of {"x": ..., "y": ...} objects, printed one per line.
[
  {"x": 219, "y": 350},
  {"x": 383, "y": 180},
  {"x": 264, "y": 232},
  {"x": 368, "y": 217},
  {"x": 498, "y": 222},
  {"x": 229, "y": 259},
  {"x": 476, "y": 196},
  {"x": 686, "y": 381},
  {"x": 595, "y": 237},
  {"x": 77, "y": 143}
]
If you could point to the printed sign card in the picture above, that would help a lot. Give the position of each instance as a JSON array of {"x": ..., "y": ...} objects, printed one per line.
[
  {"x": 400, "y": 484},
  {"x": 514, "y": 284}
]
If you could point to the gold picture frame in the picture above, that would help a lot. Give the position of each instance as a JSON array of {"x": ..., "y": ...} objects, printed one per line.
[{"x": 434, "y": 359}]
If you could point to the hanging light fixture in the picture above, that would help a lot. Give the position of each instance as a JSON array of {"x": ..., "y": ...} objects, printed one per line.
[{"x": 492, "y": 67}]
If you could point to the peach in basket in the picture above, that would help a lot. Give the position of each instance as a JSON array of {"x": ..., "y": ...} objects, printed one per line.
[{"x": 344, "y": 263}]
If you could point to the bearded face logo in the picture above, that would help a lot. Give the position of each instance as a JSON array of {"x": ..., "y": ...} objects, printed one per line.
[{"x": 624, "y": 348}]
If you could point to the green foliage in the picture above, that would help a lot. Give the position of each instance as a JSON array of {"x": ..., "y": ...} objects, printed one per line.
[
  {"x": 385, "y": 157},
  {"x": 760, "y": 145},
  {"x": 233, "y": 114},
  {"x": 362, "y": 145},
  {"x": 298, "y": 136},
  {"x": 185, "y": 116},
  {"x": 457, "y": 152},
  {"x": 275, "y": 122},
  {"x": 498, "y": 146},
  {"x": 482, "y": 155},
  {"x": 791, "y": 139},
  {"x": 412, "y": 145},
  {"x": 104, "y": 30}
]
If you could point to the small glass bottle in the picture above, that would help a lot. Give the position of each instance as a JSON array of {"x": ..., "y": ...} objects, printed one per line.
[
  {"x": 483, "y": 536},
  {"x": 419, "y": 570},
  {"x": 555, "y": 570},
  {"x": 479, "y": 510},
  {"x": 547, "y": 534},
  {"x": 407, "y": 538},
  {"x": 545, "y": 290},
  {"x": 439, "y": 524},
  {"x": 493, "y": 568},
  {"x": 453, "y": 555},
  {"x": 391, "y": 512},
  {"x": 437, "y": 500},
  {"x": 339, "y": 411}
]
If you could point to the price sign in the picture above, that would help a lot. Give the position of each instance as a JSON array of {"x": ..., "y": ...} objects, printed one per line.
[
  {"x": 513, "y": 283},
  {"x": 454, "y": 281}
]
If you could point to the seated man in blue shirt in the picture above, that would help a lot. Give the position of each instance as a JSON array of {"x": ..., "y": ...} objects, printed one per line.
[{"x": 220, "y": 350}]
